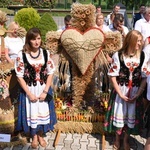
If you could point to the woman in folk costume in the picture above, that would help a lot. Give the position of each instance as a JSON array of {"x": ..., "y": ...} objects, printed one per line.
[
  {"x": 128, "y": 76},
  {"x": 34, "y": 69}
]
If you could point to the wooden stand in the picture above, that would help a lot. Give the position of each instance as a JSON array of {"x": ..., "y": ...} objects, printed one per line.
[
  {"x": 103, "y": 142},
  {"x": 57, "y": 138}
]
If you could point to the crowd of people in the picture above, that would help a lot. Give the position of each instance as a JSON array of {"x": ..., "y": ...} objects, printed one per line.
[{"x": 128, "y": 72}]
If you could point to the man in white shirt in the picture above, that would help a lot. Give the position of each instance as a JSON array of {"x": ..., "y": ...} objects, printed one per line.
[
  {"x": 67, "y": 22},
  {"x": 139, "y": 15},
  {"x": 98, "y": 10},
  {"x": 143, "y": 25},
  {"x": 118, "y": 25},
  {"x": 116, "y": 9}
]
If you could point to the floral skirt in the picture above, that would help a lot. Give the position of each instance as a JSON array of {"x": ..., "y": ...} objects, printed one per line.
[
  {"x": 22, "y": 118},
  {"x": 108, "y": 123}
]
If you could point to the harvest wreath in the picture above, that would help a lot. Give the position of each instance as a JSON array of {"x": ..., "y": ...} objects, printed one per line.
[{"x": 85, "y": 120}]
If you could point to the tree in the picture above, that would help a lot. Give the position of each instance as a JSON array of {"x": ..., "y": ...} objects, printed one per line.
[
  {"x": 5, "y": 3},
  {"x": 46, "y": 24},
  {"x": 27, "y": 18},
  {"x": 40, "y": 3}
]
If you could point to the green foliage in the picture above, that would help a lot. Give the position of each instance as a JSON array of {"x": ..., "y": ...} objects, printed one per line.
[
  {"x": 40, "y": 3},
  {"x": 46, "y": 24},
  {"x": 27, "y": 18},
  {"x": 4, "y": 3}
]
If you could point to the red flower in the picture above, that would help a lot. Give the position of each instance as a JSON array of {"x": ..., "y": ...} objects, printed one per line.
[
  {"x": 21, "y": 64},
  {"x": 37, "y": 69},
  {"x": 131, "y": 69},
  {"x": 49, "y": 62},
  {"x": 106, "y": 124},
  {"x": 128, "y": 64},
  {"x": 111, "y": 70},
  {"x": 115, "y": 67},
  {"x": 147, "y": 73},
  {"x": 144, "y": 69},
  {"x": 136, "y": 64},
  {"x": 40, "y": 65},
  {"x": 18, "y": 69},
  {"x": 109, "y": 107}
]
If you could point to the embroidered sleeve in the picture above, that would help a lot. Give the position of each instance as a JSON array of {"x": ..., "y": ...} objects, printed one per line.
[
  {"x": 50, "y": 65},
  {"x": 19, "y": 65},
  {"x": 145, "y": 67},
  {"x": 115, "y": 66}
]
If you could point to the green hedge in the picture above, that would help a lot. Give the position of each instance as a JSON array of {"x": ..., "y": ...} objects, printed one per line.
[
  {"x": 46, "y": 24},
  {"x": 27, "y": 18}
]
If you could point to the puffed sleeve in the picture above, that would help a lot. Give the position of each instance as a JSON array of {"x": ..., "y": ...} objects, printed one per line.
[
  {"x": 115, "y": 66},
  {"x": 146, "y": 66},
  {"x": 50, "y": 65},
  {"x": 19, "y": 65},
  {"x": 146, "y": 50}
]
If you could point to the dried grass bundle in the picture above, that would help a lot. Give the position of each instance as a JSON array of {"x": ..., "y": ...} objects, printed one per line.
[
  {"x": 3, "y": 17},
  {"x": 5, "y": 68},
  {"x": 80, "y": 84},
  {"x": 83, "y": 16},
  {"x": 82, "y": 48},
  {"x": 52, "y": 40},
  {"x": 79, "y": 127},
  {"x": 7, "y": 120},
  {"x": 21, "y": 32},
  {"x": 113, "y": 42}
]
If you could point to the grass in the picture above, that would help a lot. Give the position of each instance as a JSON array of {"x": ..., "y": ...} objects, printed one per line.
[{"x": 7, "y": 11}]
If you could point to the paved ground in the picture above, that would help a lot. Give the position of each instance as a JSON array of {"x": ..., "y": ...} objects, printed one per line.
[{"x": 68, "y": 141}]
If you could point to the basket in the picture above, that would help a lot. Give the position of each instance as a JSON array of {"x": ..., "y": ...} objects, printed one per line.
[
  {"x": 8, "y": 120},
  {"x": 5, "y": 103},
  {"x": 8, "y": 90}
]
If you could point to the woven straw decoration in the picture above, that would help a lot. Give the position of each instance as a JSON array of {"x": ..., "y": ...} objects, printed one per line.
[{"x": 82, "y": 47}]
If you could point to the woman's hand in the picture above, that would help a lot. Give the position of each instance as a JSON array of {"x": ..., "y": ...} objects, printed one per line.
[
  {"x": 134, "y": 98},
  {"x": 125, "y": 98},
  {"x": 42, "y": 96},
  {"x": 33, "y": 98}
]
